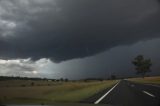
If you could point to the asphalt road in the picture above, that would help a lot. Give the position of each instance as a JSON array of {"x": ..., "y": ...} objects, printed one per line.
[{"x": 126, "y": 93}]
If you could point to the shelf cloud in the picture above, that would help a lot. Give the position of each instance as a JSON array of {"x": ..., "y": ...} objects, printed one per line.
[
  {"x": 67, "y": 38},
  {"x": 62, "y": 30}
]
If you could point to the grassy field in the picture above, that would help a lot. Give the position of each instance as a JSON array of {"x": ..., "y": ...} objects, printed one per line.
[
  {"x": 25, "y": 83},
  {"x": 148, "y": 80},
  {"x": 49, "y": 92}
]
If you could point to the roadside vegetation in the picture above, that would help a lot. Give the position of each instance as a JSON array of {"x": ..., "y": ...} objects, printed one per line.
[
  {"x": 142, "y": 65},
  {"x": 49, "y": 92},
  {"x": 147, "y": 80}
]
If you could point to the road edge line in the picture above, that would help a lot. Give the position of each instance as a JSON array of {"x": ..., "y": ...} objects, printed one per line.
[{"x": 101, "y": 98}]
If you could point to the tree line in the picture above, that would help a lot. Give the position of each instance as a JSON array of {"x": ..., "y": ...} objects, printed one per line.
[{"x": 3, "y": 78}]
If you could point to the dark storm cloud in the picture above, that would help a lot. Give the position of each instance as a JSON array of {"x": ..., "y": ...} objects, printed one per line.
[
  {"x": 63, "y": 30},
  {"x": 116, "y": 61}
]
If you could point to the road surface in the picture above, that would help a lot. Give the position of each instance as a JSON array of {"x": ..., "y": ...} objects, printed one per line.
[{"x": 126, "y": 93}]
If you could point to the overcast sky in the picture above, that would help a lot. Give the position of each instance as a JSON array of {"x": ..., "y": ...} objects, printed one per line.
[{"x": 77, "y": 38}]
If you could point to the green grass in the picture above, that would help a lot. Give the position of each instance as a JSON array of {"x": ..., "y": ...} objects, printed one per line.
[
  {"x": 67, "y": 92},
  {"x": 147, "y": 80}
]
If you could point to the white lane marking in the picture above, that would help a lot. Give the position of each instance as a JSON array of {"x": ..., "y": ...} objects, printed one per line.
[
  {"x": 106, "y": 94},
  {"x": 148, "y": 93}
]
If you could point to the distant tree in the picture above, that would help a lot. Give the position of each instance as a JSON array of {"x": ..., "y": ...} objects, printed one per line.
[
  {"x": 113, "y": 77},
  {"x": 53, "y": 80},
  {"x": 101, "y": 79},
  {"x": 61, "y": 79},
  {"x": 66, "y": 80},
  {"x": 142, "y": 65},
  {"x": 23, "y": 85},
  {"x": 85, "y": 80},
  {"x": 57, "y": 80},
  {"x": 32, "y": 84}
]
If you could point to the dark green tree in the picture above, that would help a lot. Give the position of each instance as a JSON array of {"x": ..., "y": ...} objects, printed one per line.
[
  {"x": 113, "y": 77},
  {"x": 142, "y": 65}
]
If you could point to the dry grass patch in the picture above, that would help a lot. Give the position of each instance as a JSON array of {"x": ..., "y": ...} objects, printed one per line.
[
  {"x": 150, "y": 80},
  {"x": 62, "y": 92}
]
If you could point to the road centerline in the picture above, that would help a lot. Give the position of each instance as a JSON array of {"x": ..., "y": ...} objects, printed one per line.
[
  {"x": 148, "y": 93},
  {"x": 101, "y": 98}
]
